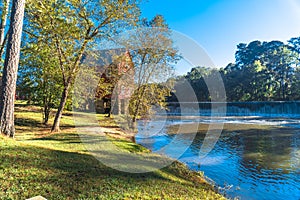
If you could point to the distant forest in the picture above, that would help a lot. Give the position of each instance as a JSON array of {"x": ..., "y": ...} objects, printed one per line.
[{"x": 263, "y": 71}]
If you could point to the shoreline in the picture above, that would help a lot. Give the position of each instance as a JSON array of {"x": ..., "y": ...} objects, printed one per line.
[{"x": 118, "y": 133}]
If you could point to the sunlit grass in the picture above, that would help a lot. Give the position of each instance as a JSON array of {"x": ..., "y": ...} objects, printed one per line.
[{"x": 58, "y": 166}]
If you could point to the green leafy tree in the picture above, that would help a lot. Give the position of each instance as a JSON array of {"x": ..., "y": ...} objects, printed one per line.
[
  {"x": 39, "y": 79},
  {"x": 294, "y": 44},
  {"x": 152, "y": 63},
  {"x": 70, "y": 27},
  {"x": 233, "y": 82},
  {"x": 154, "y": 97},
  {"x": 247, "y": 71},
  {"x": 197, "y": 77},
  {"x": 263, "y": 71},
  {"x": 280, "y": 61}
]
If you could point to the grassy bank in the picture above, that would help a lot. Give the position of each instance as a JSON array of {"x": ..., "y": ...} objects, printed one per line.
[{"x": 57, "y": 166}]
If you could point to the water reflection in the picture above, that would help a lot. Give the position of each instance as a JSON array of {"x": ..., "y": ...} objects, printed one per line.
[{"x": 259, "y": 162}]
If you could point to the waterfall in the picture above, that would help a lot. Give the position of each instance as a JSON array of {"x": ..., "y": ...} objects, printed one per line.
[{"x": 261, "y": 109}]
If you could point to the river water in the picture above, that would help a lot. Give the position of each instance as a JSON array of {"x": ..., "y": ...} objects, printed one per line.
[{"x": 254, "y": 158}]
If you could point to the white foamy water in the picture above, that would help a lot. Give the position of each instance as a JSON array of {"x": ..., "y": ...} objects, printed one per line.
[{"x": 290, "y": 122}]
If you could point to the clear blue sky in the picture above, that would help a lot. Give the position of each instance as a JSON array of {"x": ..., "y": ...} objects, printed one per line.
[{"x": 219, "y": 25}]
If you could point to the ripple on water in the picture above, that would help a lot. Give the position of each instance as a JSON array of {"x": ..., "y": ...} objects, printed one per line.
[{"x": 257, "y": 163}]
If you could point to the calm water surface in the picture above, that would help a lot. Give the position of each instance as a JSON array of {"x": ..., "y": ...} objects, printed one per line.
[{"x": 249, "y": 164}]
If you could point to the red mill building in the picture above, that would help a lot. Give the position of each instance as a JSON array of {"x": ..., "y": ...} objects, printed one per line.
[{"x": 117, "y": 82}]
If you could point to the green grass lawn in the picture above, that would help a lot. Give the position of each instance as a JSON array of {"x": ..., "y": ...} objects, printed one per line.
[{"x": 57, "y": 166}]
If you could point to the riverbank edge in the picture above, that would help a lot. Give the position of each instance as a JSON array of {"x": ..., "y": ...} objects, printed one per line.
[{"x": 130, "y": 137}]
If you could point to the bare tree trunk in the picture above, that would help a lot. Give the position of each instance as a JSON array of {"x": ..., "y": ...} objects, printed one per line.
[
  {"x": 11, "y": 68},
  {"x": 46, "y": 112},
  {"x": 67, "y": 83},
  {"x": 3, "y": 25},
  {"x": 64, "y": 96}
]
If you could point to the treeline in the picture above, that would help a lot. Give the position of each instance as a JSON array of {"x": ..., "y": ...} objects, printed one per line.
[{"x": 263, "y": 71}]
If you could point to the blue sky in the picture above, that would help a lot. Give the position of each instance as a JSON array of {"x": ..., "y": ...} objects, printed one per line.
[{"x": 219, "y": 25}]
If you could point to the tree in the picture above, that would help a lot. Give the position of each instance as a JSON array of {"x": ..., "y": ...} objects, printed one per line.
[
  {"x": 294, "y": 44},
  {"x": 280, "y": 62},
  {"x": 233, "y": 82},
  {"x": 154, "y": 96},
  {"x": 10, "y": 69},
  {"x": 71, "y": 27},
  {"x": 197, "y": 77},
  {"x": 263, "y": 71},
  {"x": 246, "y": 70},
  {"x": 39, "y": 77},
  {"x": 153, "y": 53}
]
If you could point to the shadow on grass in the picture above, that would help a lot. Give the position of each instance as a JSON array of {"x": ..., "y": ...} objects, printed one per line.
[
  {"x": 29, "y": 171},
  {"x": 104, "y": 126},
  {"x": 27, "y": 108},
  {"x": 28, "y": 122},
  {"x": 70, "y": 138},
  {"x": 21, "y": 105}
]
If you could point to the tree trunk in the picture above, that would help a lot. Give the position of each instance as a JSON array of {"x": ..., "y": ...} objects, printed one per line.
[
  {"x": 10, "y": 70},
  {"x": 3, "y": 26},
  {"x": 67, "y": 84},
  {"x": 64, "y": 96},
  {"x": 46, "y": 110}
]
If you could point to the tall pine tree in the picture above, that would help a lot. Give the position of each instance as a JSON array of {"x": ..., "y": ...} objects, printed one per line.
[{"x": 11, "y": 63}]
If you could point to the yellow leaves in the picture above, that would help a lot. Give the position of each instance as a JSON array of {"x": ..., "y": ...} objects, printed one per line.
[{"x": 258, "y": 66}]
